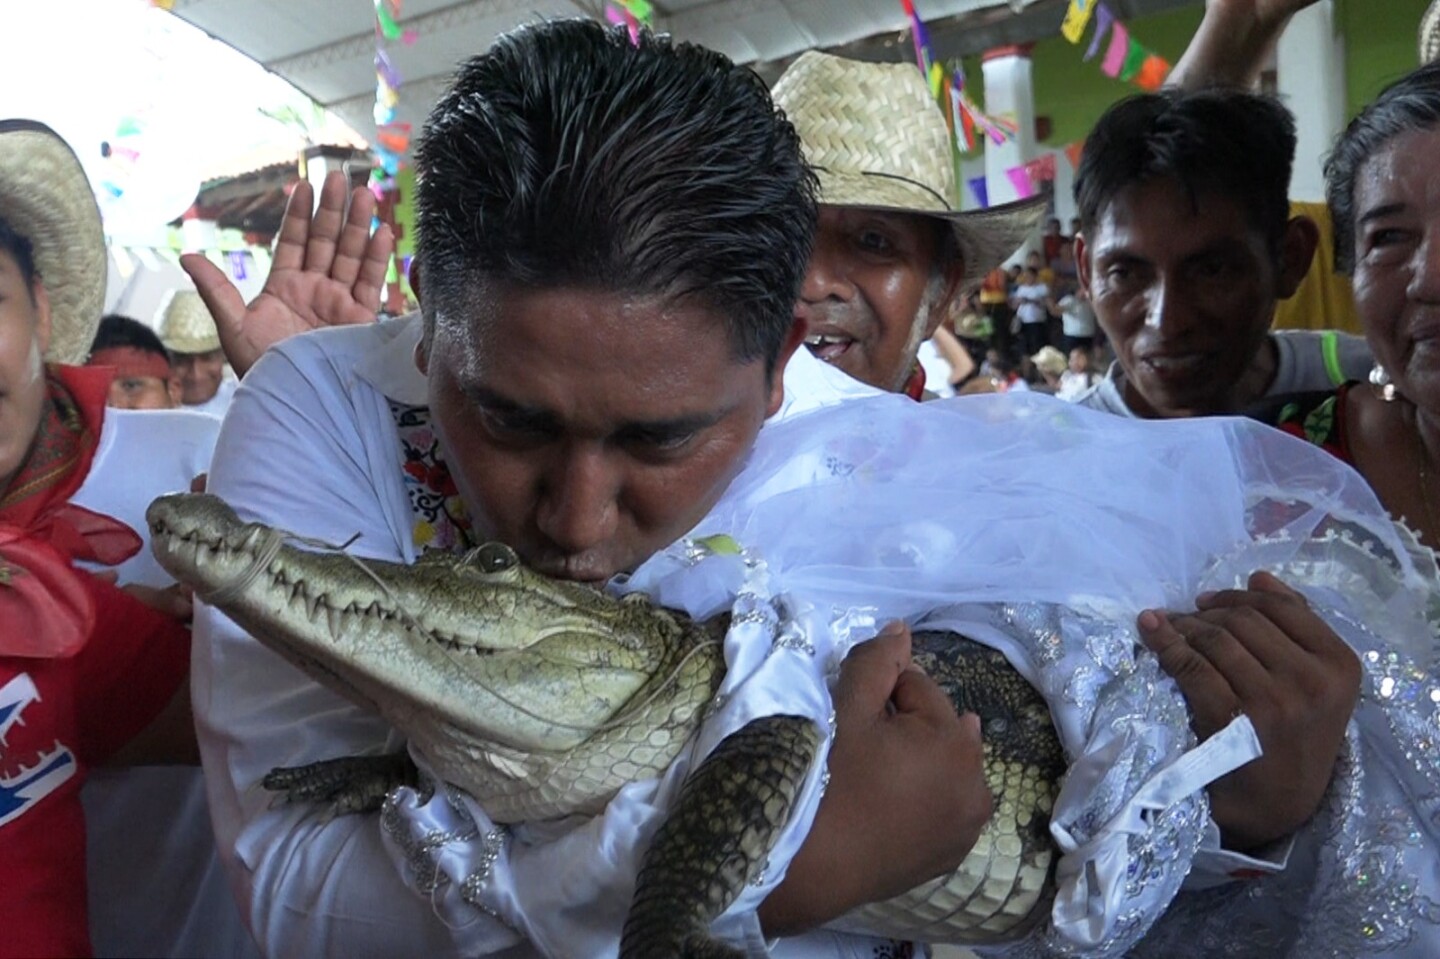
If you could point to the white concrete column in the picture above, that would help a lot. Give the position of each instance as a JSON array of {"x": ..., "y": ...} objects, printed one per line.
[
  {"x": 1009, "y": 89},
  {"x": 1310, "y": 76}
]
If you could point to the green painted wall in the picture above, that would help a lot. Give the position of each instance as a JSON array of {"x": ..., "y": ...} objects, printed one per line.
[
  {"x": 1380, "y": 45},
  {"x": 1073, "y": 93}
]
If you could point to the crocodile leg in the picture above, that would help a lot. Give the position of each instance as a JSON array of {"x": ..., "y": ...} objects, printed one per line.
[
  {"x": 716, "y": 838},
  {"x": 351, "y": 784}
]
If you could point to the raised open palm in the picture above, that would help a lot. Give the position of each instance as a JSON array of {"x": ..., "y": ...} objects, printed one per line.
[{"x": 327, "y": 271}]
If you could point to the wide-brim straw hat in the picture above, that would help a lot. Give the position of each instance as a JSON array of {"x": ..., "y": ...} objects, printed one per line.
[
  {"x": 1430, "y": 34},
  {"x": 186, "y": 325},
  {"x": 876, "y": 139},
  {"x": 46, "y": 198},
  {"x": 1050, "y": 360}
]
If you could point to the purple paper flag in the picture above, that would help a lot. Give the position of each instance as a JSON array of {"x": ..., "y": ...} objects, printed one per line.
[
  {"x": 1020, "y": 179},
  {"x": 1103, "y": 19},
  {"x": 1115, "y": 54},
  {"x": 386, "y": 69},
  {"x": 982, "y": 193}
]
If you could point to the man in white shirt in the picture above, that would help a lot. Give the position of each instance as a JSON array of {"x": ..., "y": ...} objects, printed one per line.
[
  {"x": 592, "y": 391},
  {"x": 584, "y": 396},
  {"x": 1184, "y": 263},
  {"x": 189, "y": 333},
  {"x": 1031, "y": 300},
  {"x": 1077, "y": 321}
]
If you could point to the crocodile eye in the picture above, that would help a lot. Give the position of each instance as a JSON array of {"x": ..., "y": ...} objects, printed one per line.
[{"x": 494, "y": 557}]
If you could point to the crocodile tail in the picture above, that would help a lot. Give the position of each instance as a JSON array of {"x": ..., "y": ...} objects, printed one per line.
[{"x": 716, "y": 838}]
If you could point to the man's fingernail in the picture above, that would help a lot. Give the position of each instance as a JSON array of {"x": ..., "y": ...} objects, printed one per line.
[
  {"x": 1205, "y": 598},
  {"x": 893, "y": 628},
  {"x": 1149, "y": 620}
]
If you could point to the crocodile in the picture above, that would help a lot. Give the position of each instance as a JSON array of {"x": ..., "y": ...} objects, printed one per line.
[{"x": 542, "y": 698}]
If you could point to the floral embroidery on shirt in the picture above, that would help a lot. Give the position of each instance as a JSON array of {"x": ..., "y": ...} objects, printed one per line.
[
  {"x": 1318, "y": 419},
  {"x": 441, "y": 521}
]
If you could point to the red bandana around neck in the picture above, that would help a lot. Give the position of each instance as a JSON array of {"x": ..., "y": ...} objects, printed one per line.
[{"x": 44, "y": 605}]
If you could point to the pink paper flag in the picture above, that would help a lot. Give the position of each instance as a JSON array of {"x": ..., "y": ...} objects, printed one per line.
[
  {"x": 1116, "y": 52},
  {"x": 1020, "y": 179},
  {"x": 1041, "y": 168}
]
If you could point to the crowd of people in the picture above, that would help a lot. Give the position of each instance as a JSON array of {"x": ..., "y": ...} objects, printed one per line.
[{"x": 618, "y": 345}]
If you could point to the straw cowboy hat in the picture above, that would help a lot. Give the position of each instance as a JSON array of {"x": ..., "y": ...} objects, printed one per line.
[
  {"x": 186, "y": 325},
  {"x": 46, "y": 198},
  {"x": 877, "y": 139},
  {"x": 1430, "y": 34},
  {"x": 1049, "y": 360}
]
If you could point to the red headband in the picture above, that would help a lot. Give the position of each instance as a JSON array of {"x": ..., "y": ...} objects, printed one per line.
[{"x": 132, "y": 361}]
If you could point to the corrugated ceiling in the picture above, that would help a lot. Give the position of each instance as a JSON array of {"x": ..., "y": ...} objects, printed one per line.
[{"x": 326, "y": 48}]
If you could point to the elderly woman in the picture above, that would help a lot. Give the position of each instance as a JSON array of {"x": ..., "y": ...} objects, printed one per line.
[{"x": 1384, "y": 189}]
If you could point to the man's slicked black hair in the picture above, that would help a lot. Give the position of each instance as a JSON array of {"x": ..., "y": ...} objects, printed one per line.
[
  {"x": 1410, "y": 103},
  {"x": 1217, "y": 142},
  {"x": 568, "y": 156},
  {"x": 116, "y": 330}
]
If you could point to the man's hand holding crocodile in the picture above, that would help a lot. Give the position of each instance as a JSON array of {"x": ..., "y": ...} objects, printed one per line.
[
  {"x": 907, "y": 796},
  {"x": 1262, "y": 651}
]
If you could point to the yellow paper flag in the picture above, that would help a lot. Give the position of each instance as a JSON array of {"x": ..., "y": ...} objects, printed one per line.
[
  {"x": 1077, "y": 18},
  {"x": 937, "y": 80}
]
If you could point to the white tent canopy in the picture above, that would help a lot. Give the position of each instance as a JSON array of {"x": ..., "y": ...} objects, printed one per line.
[{"x": 327, "y": 48}]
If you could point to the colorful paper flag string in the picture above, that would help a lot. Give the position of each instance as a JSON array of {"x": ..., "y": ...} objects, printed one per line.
[
  {"x": 1125, "y": 58},
  {"x": 392, "y": 138},
  {"x": 962, "y": 116}
]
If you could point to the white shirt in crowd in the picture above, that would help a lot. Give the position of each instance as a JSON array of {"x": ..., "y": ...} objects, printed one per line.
[
  {"x": 1077, "y": 316},
  {"x": 156, "y": 887},
  {"x": 1073, "y": 385},
  {"x": 1306, "y": 360},
  {"x": 1030, "y": 302}
]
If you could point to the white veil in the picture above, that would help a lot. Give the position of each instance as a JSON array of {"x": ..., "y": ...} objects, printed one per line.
[{"x": 1044, "y": 529}]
